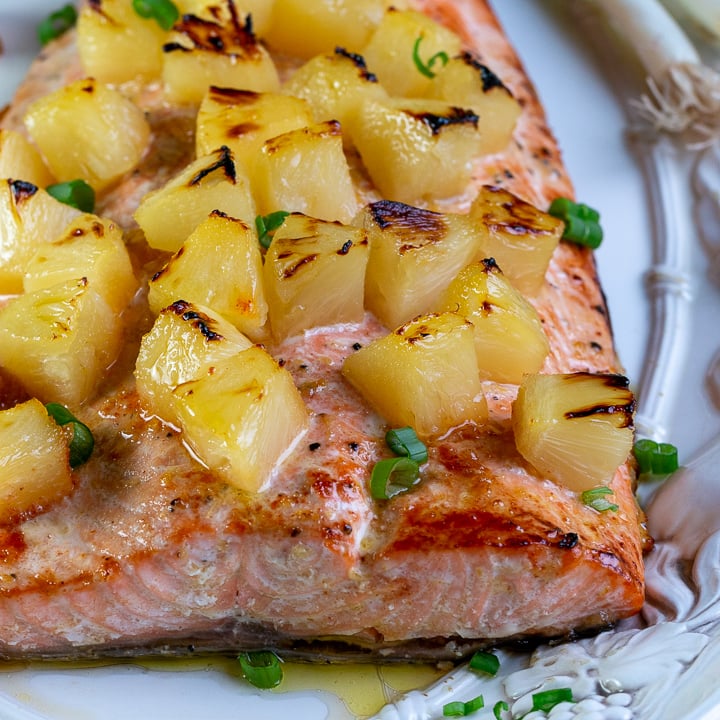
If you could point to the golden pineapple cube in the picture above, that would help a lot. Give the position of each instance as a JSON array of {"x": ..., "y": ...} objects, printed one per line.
[
  {"x": 424, "y": 374},
  {"x": 518, "y": 235},
  {"x": 34, "y": 460},
  {"x": 243, "y": 120},
  {"x": 306, "y": 171},
  {"x": 314, "y": 274},
  {"x": 90, "y": 247},
  {"x": 192, "y": 274},
  {"x": 414, "y": 254},
  {"x": 509, "y": 338},
  {"x": 416, "y": 150},
  {"x": 306, "y": 28},
  {"x": 242, "y": 420},
  {"x": 116, "y": 44},
  {"x": 212, "y": 182},
  {"x": 575, "y": 429},
  {"x": 185, "y": 343},
  {"x": 59, "y": 341},
  {"x": 466, "y": 82},
  {"x": 88, "y": 130},
  {"x": 20, "y": 160},
  {"x": 29, "y": 218},
  {"x": 222, "y": 52},
  {"x": 404, "y": 42}
]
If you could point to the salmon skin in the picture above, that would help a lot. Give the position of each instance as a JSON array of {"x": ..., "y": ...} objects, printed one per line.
[{"x": 153, "y": 554}]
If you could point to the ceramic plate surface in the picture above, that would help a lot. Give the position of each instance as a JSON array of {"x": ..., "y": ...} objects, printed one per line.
[{"x": 660, "y": 268}]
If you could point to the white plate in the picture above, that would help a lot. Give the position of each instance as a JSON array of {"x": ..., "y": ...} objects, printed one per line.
[{"x": 654, "y": 269}]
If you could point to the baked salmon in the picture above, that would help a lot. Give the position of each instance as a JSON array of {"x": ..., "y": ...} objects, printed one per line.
[{"x": 153, "y": 553}]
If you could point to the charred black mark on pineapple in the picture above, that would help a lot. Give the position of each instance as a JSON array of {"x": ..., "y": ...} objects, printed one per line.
[
  {"x": 345, "y": 249},
  {"x": 488, "y": 78},
  {"x": 625, "y": 408},
  {"x": 293, "y": 269},
  {"x": 202, "y": 322},
  {"x": 242, "y": 129},
  {"x": 455, "y": 116},
  {"x": 359, "y": 62},
  {"x": 232, "y": 96},
  {"x": 224, "y": 162},
  {"x": 415, "y": 226},
  {"x": 21, "y": 190}
]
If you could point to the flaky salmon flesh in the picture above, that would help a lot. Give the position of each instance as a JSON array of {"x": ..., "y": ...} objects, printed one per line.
[{"x": 152, "y": 553}]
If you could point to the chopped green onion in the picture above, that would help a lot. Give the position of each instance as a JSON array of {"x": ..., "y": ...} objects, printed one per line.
[
  {"x": 596, "y": 500},
  {"x": 655, "y": 458},
  {"x": 404, "y": 441},
  {"x": 56, "y": 24},
  {"x": 76, "y": 193},
  {"x": 266, "y": 226},
  {"x": 485, "y": 662},
  {"x": 499, "y": 707},
  {"x": 393, "y": 476},
  {"x": 426, "y": 68},
  {"x": 82, "y": 443},
  {"x": 582, "y": 223},
  {"x": 462, "y": 709},
  {"x": 261, "y": 668},
  {"x": 548, "y": 699},
  {"x": 163, "y": 12}
]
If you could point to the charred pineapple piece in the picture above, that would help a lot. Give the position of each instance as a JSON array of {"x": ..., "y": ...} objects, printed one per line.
[
  {"x": 221, "y": 51},
  {"x": 424, "y": 374},
  {"x": 416, "y": 150},
  {"x": 509, "y": 337},
  {"x": 518, "y": 235},
  {"x": 575, "y": 429},
  {"x": 212, "y": 182},
  {"x": 88, "y": 130},
  {"x": 314, "y": 274},
  {"x": 34, "y": 460},
  {"x": 192, "y": 274},
  {"x": 59, "y": 341},
  {"x": 414, "y": 254},
  {"x": 20, "y": 160},
  {"x": 306, "y": 171}
]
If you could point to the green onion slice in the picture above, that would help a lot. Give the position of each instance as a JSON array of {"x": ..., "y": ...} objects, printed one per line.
[
  {"x": 499, "y": 707},
  {"x": 163, "y": 12},
  {"x": 595, "y": 498},
  {"x": 56, "y": 24},
  {"x": 485, "y": 662},
  {"x": 393, "y": 476},
  {"x": 582, "y": 223},
  {"x": 261, "y": 668},
  {"x": 266, "y": 226},
  {"x": 655, "y": 458},
  {"x": 548, "y": 699},
  {"x": 462, "y": 709},
  {"x": 426, "y": 67},
  {"x": 76, "y": 193},
  {"x": 404, "y": 441},
  {"x": 82, "y": 443}
]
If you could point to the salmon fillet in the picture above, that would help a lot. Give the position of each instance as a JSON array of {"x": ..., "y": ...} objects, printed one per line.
[{"x": 152, "y": 553}]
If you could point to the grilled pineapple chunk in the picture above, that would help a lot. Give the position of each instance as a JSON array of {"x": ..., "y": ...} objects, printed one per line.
[
  {"x": 20, "y": 160},
  {"x": 509, "y": 337},
  {"x": 88, "y": 130},
  {"x": 391, "y": 49},
  {"x": 310, "y": 27},
  {"x": 223, "y": 11},
  {"x": 242, "y": 420},
  {"x": 575, "y": 429},
  {"x": 243, "y": 120},
  {"x": 90, "y": 247},
  {"x": 520, "y": 237},
  {"x": 192, "y": 274},
  {"x": 212, "y": 182},
  {"x": 424, "y": 374},
  {"x": 416, "y": 150},
  {"x": 306, "y": 171},
  {"x": 116, "y": 44},
  {"x": 29, "y": 218},
  {"x": 314, "y": 274},
  {"x": 222, "y": 52},
  {"x": 414, "y": 254},
  {"x": 34, "y": 460},
  {"x": 59, "y": 341},
  {"x": 185, "y": 343},
  {"x": 466, "y": 82}
]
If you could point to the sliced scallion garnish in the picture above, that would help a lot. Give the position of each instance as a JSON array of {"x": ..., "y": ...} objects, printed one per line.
[
  {"x": 404, "y": 441},
  {"x": 82, "y": 443},
  {"x": 163, "y": 12},
  {"x": 655, "y": 458},
  {"x": 500, "y": 706},
  {"x": 56, "y": 24},
  {"x": 485, "y": 662},
  {"x": 595, "y": 498},
  {"x": 426, "y": 67},
  {"x": 393, "y": 476},
  {"x": 582, "y": 223},
  {"x": 463, "y": 709},
  {"x": 76, "y": 193},
  {"x": 261, "y": 668},
  {"x": 266, "y": 226},
  {"x": 548, "y": 699}
]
